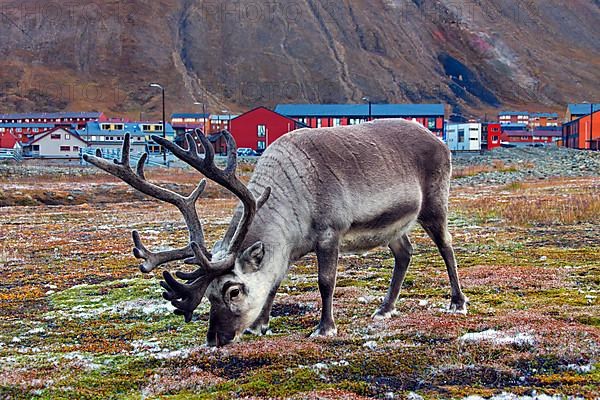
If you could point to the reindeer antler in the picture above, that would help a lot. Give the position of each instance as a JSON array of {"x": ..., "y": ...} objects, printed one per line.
[
  {"x": 187, "y": 206},
  {"x": 185, "y": 297}
]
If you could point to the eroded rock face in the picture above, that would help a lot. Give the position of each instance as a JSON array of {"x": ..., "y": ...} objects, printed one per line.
[{"x": 472, "y": 55}]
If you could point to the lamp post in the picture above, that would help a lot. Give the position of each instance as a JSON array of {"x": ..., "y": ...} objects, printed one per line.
[
  {"x": 368, "y": 100},
  {"x": 164, "y": 125},
  {"x": 591, "y": 124},
  {"x": 203, "y": 115}
]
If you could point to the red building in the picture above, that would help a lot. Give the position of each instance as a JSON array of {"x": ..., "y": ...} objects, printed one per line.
[
  {"x": 582, "y": 133},
  {"x": 491, "y": 135},
  {"x": 542, "y": 135},
  {"x": 8, "y": 140},
  {"x": 260, "y": 127},
  {"x": 431, "y": 116},
  {"x": 25, "y": 131},
  {"x": 60, "y": 118}
]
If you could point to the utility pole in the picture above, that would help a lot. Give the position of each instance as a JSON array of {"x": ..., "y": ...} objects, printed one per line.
[{"x": 164, "y": 123}]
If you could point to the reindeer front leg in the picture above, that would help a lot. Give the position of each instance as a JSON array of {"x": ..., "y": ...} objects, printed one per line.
[{"x": 327, "y": 258}]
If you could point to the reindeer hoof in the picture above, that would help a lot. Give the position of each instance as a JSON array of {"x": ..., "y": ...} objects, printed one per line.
[
  {"x": 324, "y": 332},
  {"x": 381, "y": 314},
  {"x": 259, "y": 330},
  {"x": 459, "y": 306}
]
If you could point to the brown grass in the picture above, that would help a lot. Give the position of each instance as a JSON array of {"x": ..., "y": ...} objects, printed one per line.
[
  {"x": 527, "y": 204},
  {"x": 497, "y": 166}
]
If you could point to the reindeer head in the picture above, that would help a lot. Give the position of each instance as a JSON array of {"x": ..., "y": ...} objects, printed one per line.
[{"x": 231, "y": 276}]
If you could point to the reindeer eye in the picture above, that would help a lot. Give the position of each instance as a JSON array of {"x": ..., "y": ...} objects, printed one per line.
[{"x": 234, "y": 293}]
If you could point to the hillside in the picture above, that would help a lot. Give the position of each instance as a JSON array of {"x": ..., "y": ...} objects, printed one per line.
[{"x": 475, "y": 56}]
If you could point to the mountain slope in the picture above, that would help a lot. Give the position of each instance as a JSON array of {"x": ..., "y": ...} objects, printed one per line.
[{"x": 475, "y": 56}]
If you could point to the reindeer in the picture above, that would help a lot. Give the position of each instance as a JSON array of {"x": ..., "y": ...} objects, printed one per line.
[{"x": 326, "y": 190}]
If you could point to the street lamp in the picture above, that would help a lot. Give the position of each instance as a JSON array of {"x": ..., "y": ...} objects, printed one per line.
[
  {"x": 204, "y": 129},
  {"x": 164, "y": 126},
  {"x": 368, "y": 100}
]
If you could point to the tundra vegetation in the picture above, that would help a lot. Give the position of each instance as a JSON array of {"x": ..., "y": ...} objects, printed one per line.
[{"x": 78, "y": 320}]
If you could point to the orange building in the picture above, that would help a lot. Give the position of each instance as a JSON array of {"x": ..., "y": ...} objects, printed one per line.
[{"x": 583, "y": 133}]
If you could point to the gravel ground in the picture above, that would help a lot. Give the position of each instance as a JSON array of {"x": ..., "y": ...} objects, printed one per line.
[
  {"x": 529, "y": 163},
  {"x": 516, "y": 164}
]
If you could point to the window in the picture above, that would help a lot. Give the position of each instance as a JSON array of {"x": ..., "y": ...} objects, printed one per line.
[
  {"x": 105, "y": 127},
  {"x": 36, "y": 147},
  {"x": 35, "y": 129},
  {"x": 494, "y": 139},
  {"x": 261, "y": 145},
  {"x": 67, "y": 137},
  {"x": 461, "y": 135},
  {"x": 75, "y": 148},
  {"x": 65, "y": 148},
  {"x": 431, "y": 123},
  {"x": 261, "y": 131},
  {"x": 319, "y": 122},
  {"x": 119, "y": 127},
  {"x": 336, "y": 122},
  {"x": 55, "y": 136},
  {"x": 19, "y": 130},
  {"x": 94, "y": 138}
]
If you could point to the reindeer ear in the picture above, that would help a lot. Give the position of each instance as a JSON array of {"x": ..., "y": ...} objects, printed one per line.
[{"x": 252, "y": 257}]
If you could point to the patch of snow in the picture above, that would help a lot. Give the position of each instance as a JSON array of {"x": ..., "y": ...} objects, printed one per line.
[
  {"x": 82, "y": 360},
  {"x": 320, "y": 366},
  {"x": 533, "y": 396},
  {"x": 413, "y": 396},
  {"x": 423, "y": 303},
  {"x": 582, "y": 369},
  {"x": 167, "y": 355},
  {"x": 499, "y": 338},
  {"x": 16, "y": 339},
  {"x": 36, "y": 331},
  {"x": 372, "y": 345}
]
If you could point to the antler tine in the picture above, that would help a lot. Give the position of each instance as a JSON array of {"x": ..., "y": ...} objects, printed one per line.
[
  {"x": 186, "y": 205},
  {"x": 206, "y": 266},
  {"x": 153, "y": 260},
  {"x": 231, "y": 153},
  {"x": 140, "y": 166},
  {"x": 185, "y": 297}
]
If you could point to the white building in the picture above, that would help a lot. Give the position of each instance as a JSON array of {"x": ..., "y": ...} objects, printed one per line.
[
  {"x": 464, "y": 137},
  {"x": 56, "y": 143}
]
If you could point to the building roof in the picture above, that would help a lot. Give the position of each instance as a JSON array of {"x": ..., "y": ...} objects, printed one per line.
[
  {"x": 519, "y": 133},
  {"x": 549, "y": 128},
  {"x": 515, "y": 126},
  {"x": 61, "y": 115},
  {"x": 189, "y": 115},
  {"x": 39, "y": 137},
  {"x": 583, "y": 108},
  {"x": 8, "y": 140},
  {"x": 360, "y": 110},
  {"x": 27, "y": 125},
  {"x": 547, "y": 132},
  {"x": 223, "y": 117},
  {"x": 544, "y": 115},
  {"x": 513, "y": 113}
]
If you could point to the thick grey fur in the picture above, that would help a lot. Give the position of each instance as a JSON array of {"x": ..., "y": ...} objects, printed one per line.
[{"x": 335, "y": 190}]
